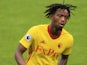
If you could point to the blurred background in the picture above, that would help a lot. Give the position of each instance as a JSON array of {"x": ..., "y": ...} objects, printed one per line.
[{"x": 17, "y": 16}]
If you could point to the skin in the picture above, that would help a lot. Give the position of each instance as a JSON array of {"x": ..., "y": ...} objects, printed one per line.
[
  {"x": 19, "y": 55},
  {"x": 59, "y": 19}
]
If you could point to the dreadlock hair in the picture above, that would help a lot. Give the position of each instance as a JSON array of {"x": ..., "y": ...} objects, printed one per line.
[{"x": 51, "y": 9}]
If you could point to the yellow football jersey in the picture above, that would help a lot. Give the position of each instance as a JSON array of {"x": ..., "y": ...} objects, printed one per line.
[{"x": 42, "y": 48}]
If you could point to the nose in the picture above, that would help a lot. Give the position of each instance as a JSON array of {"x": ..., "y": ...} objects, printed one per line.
[{"x": 63, "y": 19}]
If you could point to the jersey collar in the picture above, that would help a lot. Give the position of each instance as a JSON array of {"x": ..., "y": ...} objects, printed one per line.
[{"x": 51, "y": 34}]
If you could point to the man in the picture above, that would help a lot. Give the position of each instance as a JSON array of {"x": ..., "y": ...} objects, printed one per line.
[{"x": 45, "y": 43}]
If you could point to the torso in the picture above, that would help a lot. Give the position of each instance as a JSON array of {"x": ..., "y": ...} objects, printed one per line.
[{"x": 45, "y": 49}]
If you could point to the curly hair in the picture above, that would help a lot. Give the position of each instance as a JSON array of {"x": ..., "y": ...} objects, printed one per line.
[{"x": 51, "y": 9}]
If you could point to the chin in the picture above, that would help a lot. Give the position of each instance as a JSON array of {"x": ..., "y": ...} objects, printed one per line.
[{"x": 59, "y": 28}]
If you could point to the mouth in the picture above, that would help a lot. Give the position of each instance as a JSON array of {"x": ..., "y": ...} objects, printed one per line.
[{"x": 61, "y": 25}]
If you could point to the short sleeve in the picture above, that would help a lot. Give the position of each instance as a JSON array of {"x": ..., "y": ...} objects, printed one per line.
[
  {"x": 27, "y": 39},
  {"x": 67, "y": 51}
]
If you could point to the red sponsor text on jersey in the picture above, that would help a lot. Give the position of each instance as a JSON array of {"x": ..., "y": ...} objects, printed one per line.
[{"x": 46, "y": 52}]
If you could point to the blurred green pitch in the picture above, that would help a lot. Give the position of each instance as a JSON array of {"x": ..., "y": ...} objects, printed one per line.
[{"x": 17, "y": 16}]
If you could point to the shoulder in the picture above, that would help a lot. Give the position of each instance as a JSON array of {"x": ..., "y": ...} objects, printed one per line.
[
  {"x": 68, "y": 37},
  {"x": 38, "y": 27},
  {"x": 67, "y": 34}
]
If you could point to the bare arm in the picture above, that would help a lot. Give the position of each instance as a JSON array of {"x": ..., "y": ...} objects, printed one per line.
[
  {"x": 63, "y": 60},
  {"x": 19, "y": 55}
]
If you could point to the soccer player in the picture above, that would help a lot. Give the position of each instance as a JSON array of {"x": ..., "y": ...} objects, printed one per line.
[{"x": 45, "y": 43}]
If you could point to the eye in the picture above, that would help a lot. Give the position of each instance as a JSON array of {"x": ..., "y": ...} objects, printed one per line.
[
  {"x": 59, "y": 15},
  {"x": 67, "y": 17}
]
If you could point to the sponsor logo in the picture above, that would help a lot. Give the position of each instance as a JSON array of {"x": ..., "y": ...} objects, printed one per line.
[{"x": 46, "y": 52}]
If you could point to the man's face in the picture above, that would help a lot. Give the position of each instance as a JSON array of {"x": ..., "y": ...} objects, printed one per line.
[{"x": 59, "y": 18}]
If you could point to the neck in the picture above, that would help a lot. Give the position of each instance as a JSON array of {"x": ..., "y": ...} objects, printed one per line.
[{"x": 55, "y": 32}]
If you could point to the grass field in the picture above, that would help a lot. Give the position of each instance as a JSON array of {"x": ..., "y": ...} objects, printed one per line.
[{"x": 17, "y": 16}]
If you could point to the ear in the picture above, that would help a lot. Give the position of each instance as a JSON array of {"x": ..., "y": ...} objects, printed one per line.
[{"x": 51, "y": 16}]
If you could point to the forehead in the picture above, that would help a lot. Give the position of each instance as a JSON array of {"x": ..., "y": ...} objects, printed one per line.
[{"x": 62, "y": 11}]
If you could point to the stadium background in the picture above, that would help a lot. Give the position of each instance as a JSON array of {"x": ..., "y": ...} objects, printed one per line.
[{"x": 17, "y": 16}]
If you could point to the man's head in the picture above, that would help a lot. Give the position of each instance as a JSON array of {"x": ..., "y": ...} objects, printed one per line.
[{"x": 59, "y": 14}]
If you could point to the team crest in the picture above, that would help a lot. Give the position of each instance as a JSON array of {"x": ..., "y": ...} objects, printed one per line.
[
  {"x": 59, "y": 45},
  {"x": 28, "y": 37}
]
